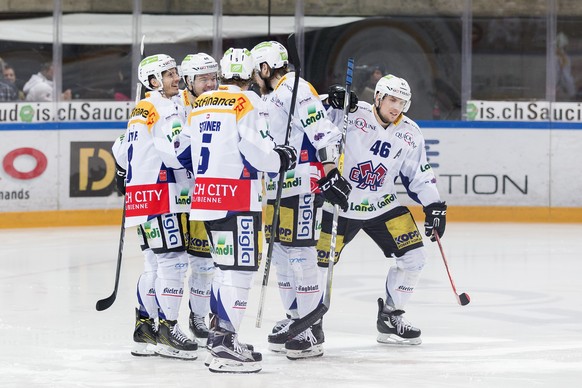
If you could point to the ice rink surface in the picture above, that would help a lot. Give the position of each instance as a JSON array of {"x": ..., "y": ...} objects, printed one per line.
[{"x": 523, "y": 327}]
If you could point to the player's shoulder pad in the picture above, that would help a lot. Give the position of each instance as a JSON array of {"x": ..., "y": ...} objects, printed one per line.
[
  {"x": 411, "y": 123},
  {"x": 143, "y": 109},
  {"x": 364, "y": 106}
]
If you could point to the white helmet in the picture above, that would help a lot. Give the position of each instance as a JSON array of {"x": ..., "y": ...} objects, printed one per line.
[
  {"x": 237, "y": 63},
  {"x": 197, "y": 64},
  {"x": 394, "y": 86},
  {"x": 274, "y": 53},
  {"x": 154, "y": 65}
]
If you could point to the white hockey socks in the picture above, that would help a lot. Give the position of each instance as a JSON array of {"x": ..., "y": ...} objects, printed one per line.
[
  {"x": 170, "y": 283},
  {"x": 146, "y": 285},
  {"x": 200, "y": 281},
  {"x": 231, "y": 289},
  {"x": 403, "y": 277}
]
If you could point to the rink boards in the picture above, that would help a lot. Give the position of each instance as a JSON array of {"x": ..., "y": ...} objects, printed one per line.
[{"x": 63, "y": 173}]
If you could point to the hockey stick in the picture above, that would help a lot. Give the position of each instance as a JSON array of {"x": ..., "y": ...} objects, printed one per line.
[
  {"x": 463, "y": 299},
  {"x": 104, "y": 304},
  {"x": 307, "y": 321},
  {"x": 340, "y": 167},
  {"x": 292, "y": 44}
]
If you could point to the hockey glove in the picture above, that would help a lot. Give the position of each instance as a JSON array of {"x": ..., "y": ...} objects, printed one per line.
[
  {"x": 120, "y": 174},
  {"x": 436, "y": 219},
  {"x": 336, "y": 96},
  {"x": 288, "y": 156},
  {"x": 336, "y": 189}
]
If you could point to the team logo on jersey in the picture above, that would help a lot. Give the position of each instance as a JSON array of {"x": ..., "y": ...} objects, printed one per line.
[
  {"x": 366, "y": 176},
  {"x": 364, "y": 206},
  {"x": 313, "y": 115},
  {"x": 361, "y": 124},
  {"x": 305, "y": 217},
  {"x": 240, "y": 106},
  {"x": 246, "y": 241},
  {"x": 184, "y": 198},
  {"x": 223, "y": 247},
  {"x": 386, "y": 200},
  {"x": 150, "y": 232},
  {"x": 407, "y": 137}
]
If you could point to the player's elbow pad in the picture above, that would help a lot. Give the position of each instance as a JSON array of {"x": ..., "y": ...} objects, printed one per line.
[{"x": 328, "y": 154}]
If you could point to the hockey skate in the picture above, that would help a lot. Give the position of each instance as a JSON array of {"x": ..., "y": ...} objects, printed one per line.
[
  {"x": 210, "y": 338},
  {"x": 144, "y": 336},
  {"x": 198, "y": 326},
  {"x": 307, "y": 344},
  {"x": 394, "y": 329},
  {"x": 172, "y": 342},
  {"x": 229, "y": 356},
  {"x": 276, "y": 340}
]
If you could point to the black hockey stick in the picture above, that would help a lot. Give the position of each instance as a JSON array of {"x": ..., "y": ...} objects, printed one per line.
[
  {"x": 331, "y": 261},
  {"x": 304, "y": 323},
  {"x": 463, "y": 299},
  {"x": 292, "y": 44},
  {"x": 104, "y": 304}
]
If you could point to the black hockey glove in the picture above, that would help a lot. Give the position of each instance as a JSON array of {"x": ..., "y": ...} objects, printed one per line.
[
  {"x": 120, "y": 174},
  {"x": 336, "y": 95},
  {"x": 336, "y": 189},
  {"x": 288, "y": 156},
  {"x": 436, "y": 219}
]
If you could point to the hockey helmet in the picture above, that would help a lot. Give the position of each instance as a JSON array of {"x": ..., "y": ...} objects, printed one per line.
[
  {"x": 197, "y": 64},
  {"x": 271, "y": 52},
  {"x": 154, "y": 65},
  {"x": 237, "y": 63},
  {"x": 394, "y": 86}
]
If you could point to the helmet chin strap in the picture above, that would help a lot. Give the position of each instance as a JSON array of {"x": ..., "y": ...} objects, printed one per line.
[{"x": 377, "y": 106}]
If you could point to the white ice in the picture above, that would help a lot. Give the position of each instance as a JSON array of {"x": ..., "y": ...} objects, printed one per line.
[{"x": 523, "y": 327}]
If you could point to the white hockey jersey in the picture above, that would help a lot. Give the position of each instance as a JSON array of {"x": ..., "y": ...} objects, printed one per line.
[
  {"x": 226, "y": 142},
  {"x": 185, "y": 100},
  {"x": 310, "y": 131},
  {"x": 156, "y": 183},
  {"x": 375, "y": 157}
]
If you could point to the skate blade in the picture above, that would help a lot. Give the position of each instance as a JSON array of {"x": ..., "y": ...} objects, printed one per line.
[
  {"x": 393, "y": 339},
  {"x": 222, "y": 365},
  {"x": 277, "y": 348},
  {"x": 314, "y": 351},
  {"x": 208, "y": 359},
  {"x": 167, "y": 351},
  {"x": 143, "y": 349}
]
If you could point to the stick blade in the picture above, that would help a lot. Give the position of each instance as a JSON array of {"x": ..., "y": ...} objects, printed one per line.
[
  {"x": 464, "y": 299},
  {"x": 104, "y": 304}
]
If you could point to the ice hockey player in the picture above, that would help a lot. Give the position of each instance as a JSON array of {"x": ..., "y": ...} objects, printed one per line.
[
  {"x": 146, "y": 315},
  {"x": 383, "y": 144},
  {"x": 154, "y": 181},
  {"x": 200, "y": 74},
  {"x": 316, "y": 139},
  {"x": 226, "y": 144}
]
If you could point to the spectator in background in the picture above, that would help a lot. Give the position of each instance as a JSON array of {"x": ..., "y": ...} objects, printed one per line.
[
  {"x": 367, "y": 93},
  {"x": 565, "y": 84},
  {"x": 40, "y": 85},
  {"x": 7, "y": 91},
  {"x": 10, "y": 77}
]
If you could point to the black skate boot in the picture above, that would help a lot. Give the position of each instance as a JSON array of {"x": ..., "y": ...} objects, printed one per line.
[
  {"x": 209, "y": 341},
  {"x": 307, "y": 344},
  {"x": 393, "y": 328},
  {"x": 172, "y": 342},
  {"x": 276, "y": 340},
  {"x": 144, "y": 336},
  {"x": 229, "y": 356},
  {"x": 198, "y": 326}
]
